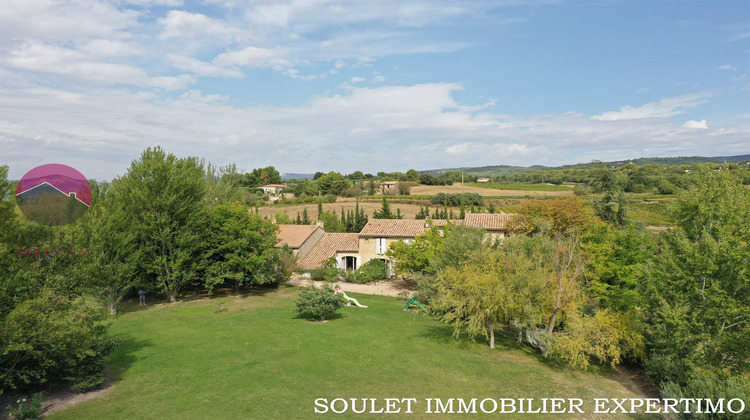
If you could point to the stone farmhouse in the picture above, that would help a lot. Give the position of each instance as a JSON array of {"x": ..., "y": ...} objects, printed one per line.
[
  {"x": 314, "y": 247},
  {"x": 389, "y": 187}
]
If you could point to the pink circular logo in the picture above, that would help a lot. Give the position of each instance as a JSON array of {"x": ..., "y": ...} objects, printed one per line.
[{"x": 53, "y": 194}]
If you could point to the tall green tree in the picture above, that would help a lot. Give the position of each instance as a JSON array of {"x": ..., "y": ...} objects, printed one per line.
[
  {"x": 384, "y": 212},
  {"x": 333, "y": 183},
  {"x": 109, "y": 269},
  {"x": 698, "y": 292},
  {"x": 162, "y": 200},
  {"x": 474, "y": 297},
  {"x": 240, "y": 248},
  {"x": 223, "y": 185}
]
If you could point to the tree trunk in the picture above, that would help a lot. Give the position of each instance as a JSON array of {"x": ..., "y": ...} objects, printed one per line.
[
  {"x": 520, "y": 335},
  {"x": 492, "y": 335},
  {"x": 113, "y": 308}
]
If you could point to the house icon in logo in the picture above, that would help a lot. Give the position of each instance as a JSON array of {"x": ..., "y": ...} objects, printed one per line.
[{"x": 53, "y": 194}]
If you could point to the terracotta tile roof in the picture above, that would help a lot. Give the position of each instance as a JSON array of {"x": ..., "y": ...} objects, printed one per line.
[
  {"x": 393, "y": 228},
  {"x": 327, "y": 247},
  {"x": 497, "y": 221},
  {"x": 295, "y": 235}
]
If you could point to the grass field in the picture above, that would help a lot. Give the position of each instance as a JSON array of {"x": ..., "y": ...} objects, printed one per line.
[
  {"x": 522, "y": 187},
  {"x": 487, "y": 190},
  {"x": 651, "y": 214},
  {"x": 252, "y": 358}
]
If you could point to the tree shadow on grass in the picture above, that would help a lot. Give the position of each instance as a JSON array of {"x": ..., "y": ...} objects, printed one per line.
[
  {"x": 132, "y": 304},
  {"x": 314, "y": 318},
  {"x": 124, "y": 356},
  {"x": 61, "y": 396}
]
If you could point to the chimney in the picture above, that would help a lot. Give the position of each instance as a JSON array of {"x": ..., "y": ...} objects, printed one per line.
[{"x": 320, "y": 224}]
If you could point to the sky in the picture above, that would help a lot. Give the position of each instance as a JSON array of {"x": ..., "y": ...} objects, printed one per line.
[{"x": 386, "y": 85}]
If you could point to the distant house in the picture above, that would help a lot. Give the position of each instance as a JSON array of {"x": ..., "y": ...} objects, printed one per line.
[
  {"x": 273, "y": 189},
  {"x": 483, "y": 180},
  {"x": 389, "y": 187},
  {"x": 300, "y": 238}
]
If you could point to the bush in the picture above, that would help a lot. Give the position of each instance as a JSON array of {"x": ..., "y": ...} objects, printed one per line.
[
  {"x": 319, "y": 302},
  {"x": 327, "y": 273},
  {"x": 426, "y": 288},
  {"x": 53, "y": 340},
  {"x": 581, "y": 190},
  {"x": 27, "y": 409},
  {"x": 352, "y": 192},
  {"x": 711, "y": 386},
  {"x": 666, "y": 187},
  {"x": 372, "y": 270}
]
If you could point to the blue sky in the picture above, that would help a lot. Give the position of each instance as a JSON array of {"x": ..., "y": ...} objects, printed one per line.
[{"x": 313, "y": 85}]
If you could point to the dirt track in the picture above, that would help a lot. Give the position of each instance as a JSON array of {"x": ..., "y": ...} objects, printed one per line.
[{"x": 390, "y": 287}]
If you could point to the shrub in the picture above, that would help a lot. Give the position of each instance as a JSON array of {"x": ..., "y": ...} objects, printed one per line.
[
  {"x": 319, "y": 302},
  {"x": 27, "y": 409},
  {"x": 581, "y": 190},
  {"x": 372, "y": 270},
  {"x": 666, "y": 187},
  {"x": 404, "y": 296},
  {"x": 327, "y": 273},
  {"x": 352, "y": 192},
  {"x": 711, "y": 386},
  {"x": 51, "y": 339}
]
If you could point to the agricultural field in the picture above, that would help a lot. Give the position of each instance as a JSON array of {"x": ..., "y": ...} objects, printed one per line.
[
  {"x": 487, "y": 191},
  {"x": 522, "y": 187},
  {"x": 653, "y": 213},
  {"x": 246, "y": 357},
  {"x": 369, "y": 206}
]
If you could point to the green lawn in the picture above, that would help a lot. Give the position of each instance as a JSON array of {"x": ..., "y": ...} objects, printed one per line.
[{"x": 252, "y": 358}]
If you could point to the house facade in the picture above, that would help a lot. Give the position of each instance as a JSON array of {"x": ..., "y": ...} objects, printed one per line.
[
  {"x": 351, "y": 250},
  {"x": 273, "y": 189}
]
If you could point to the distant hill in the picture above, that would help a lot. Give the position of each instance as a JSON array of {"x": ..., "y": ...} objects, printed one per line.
[
  {"x": 297, "y": 176},
  {"x": 672, "y": 161}
]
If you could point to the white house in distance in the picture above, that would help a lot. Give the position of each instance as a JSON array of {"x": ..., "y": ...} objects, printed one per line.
[{"x": 273, "y": 189}]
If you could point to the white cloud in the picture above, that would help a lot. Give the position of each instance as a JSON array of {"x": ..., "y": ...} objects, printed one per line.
[
  {"x": 458, "y": 149},
  {"x": 664, "y": 108},
  {"x": 357, "y": 79},
  {"x": 109, "y": 49},
  {"x": 61, "y": 21},
  {"x": 182, "y": 24},
  {"x": 78, "y": 65},
  {"x": 201, "y": 68},
  {"x": 383, "y": 128},
  {"x": 727, "y": 67},
  {"x": 254, "y": 57},
  {"x": 696, "y": 124}
]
